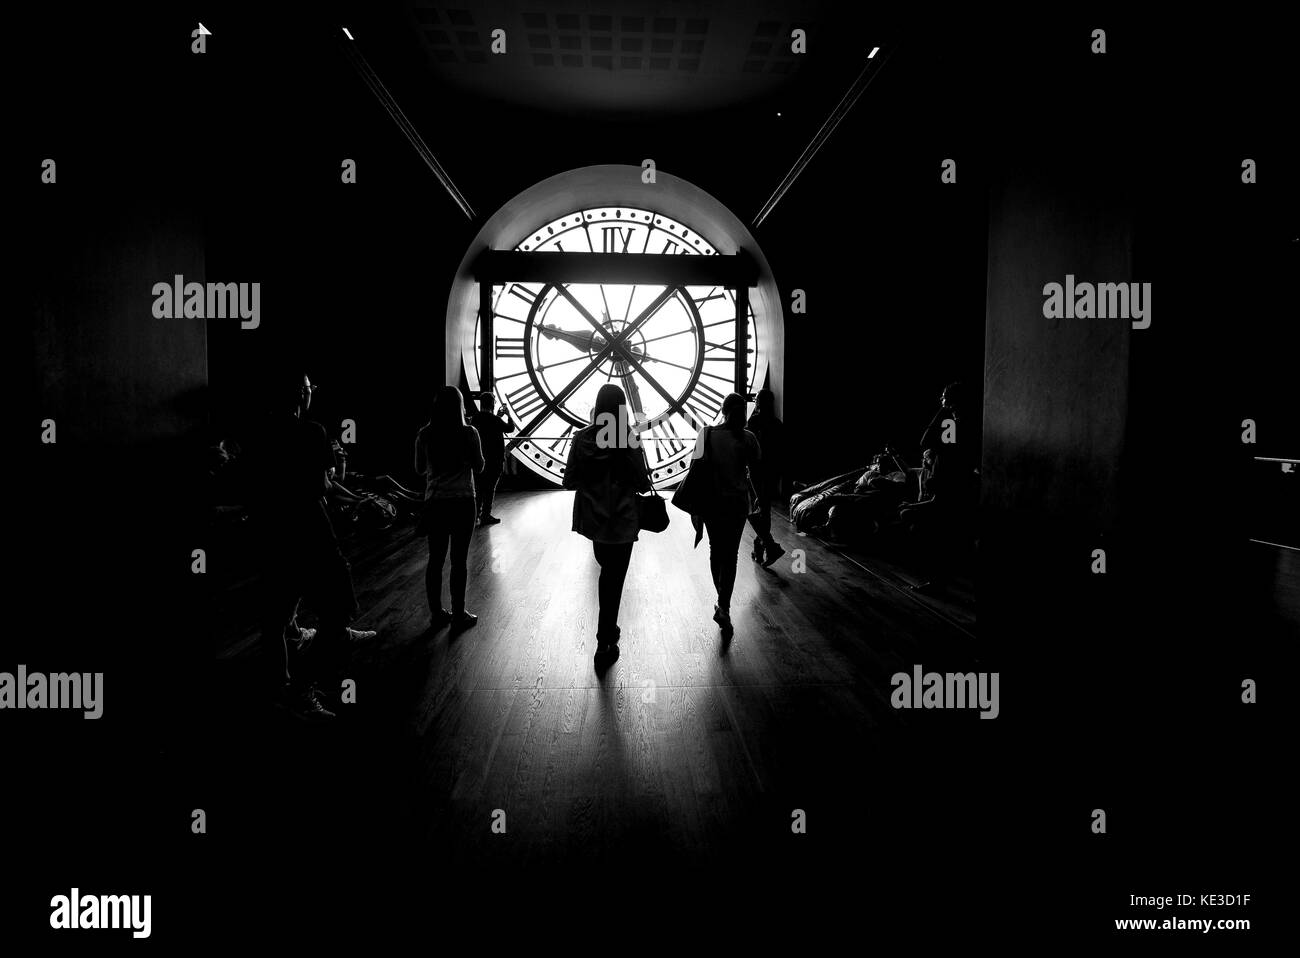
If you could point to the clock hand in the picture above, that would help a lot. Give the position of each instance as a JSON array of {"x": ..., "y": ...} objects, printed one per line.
[
  {"x": 582, "y": 341},
  {"x": 599, "y": 359},
  {"x": 645, "y": 316},
  {"x": 674, "y": 405},
  {"x": 621, "y": 338},
  {"x": 633, "y": 394},
  {"x": 582, "y": 310},
  {"x": 559, "y": 398}
]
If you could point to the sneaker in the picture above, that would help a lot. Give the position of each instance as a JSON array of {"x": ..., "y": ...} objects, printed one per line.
[
  {"x": 606, "y": 653},
  {"x": 489, "y": 521},
  {"x": 301, "y": 639},
  {"x": 773, "y": 552},
  {"x": 723, "y": 619},
  {"x": 305, "y": 705},
  {"x": 463, "y": 619},
  {"x": 360, "y": 635}
]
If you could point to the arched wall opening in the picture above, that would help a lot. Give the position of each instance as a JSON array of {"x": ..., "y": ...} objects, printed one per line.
[{"x": 612, "y": 185}]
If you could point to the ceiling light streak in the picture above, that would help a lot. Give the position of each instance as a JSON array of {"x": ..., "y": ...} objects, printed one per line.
[
  {"x": 408, "y": 129},
  {"x": 841, "y": 110}
]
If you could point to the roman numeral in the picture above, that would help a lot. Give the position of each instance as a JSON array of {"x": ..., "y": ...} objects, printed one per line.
[
  {"x": 727, "y": 348},
  {"x": 712, "y": 295},
  {"x": 524, "y": 293},
  {"x": 509, "y": 347},
  {"x": 560, "y": 446},
  {"x": 670, "y": 247},
  {"x": 525, "y": 400},
  {"x": 610, "y": 237},
  {"x": 668, "y": 443},
  {"x": 704, "y": 403}
]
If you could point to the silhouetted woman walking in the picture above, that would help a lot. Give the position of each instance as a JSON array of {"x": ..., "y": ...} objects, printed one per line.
[
  {"x": 733, "y": 452},
  {"x": 606, "y": 477},
  {"x": 448, "y": 453}
]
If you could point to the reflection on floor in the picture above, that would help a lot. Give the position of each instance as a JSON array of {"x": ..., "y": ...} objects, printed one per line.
[{"x": 687, "y": 747}]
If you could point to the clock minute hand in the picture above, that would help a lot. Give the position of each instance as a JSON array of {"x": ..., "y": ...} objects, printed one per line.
[{"x": 633, "y": 394}]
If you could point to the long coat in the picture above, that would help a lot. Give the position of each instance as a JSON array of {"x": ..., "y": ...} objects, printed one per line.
[{"x": 606, "y": 482}]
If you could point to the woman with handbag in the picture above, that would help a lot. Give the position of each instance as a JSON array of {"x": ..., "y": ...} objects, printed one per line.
[
  {"x": 717, "y": 494},
  {"x": 607, "y": 475}
]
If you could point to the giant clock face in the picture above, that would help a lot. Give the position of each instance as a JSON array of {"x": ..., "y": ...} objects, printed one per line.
[{"x": 551, "y": 356}]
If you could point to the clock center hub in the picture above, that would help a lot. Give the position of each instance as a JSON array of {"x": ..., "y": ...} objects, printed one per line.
[{"x": 635, "y": 345}]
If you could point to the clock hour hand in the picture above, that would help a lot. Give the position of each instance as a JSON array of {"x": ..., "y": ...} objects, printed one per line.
[
  {"x": 588, "y": 341},
  {"x": 581, "y": 341}
]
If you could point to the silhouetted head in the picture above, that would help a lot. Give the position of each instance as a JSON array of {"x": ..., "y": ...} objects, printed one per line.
[
  {"x": 610, "y": 399},
  {"x": 486, "y": 403},
  {"x": 733, "y": 411},
  {"x": 448, "y": 411},
  {"x": 766, "y": 402},
  {"x": 292, "y": 392},
  {"x": 953, "y": 397}
]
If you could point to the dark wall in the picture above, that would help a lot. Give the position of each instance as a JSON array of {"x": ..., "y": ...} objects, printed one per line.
[
  {"x": 98, "y": 524},
  {"x": 1105, "y": 430},
  {"x": 110, "y": 374},
  {"x": 1055, "y": 390}
]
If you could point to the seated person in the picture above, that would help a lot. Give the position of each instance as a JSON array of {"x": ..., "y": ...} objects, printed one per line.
[{"x": 941, "y": 519}]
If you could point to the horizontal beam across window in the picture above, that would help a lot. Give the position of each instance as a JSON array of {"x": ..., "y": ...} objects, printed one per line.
[{"x": 659, "y": 269}]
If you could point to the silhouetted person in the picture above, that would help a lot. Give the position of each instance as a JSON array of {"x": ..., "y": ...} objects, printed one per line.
[
  {"x": 606, "y": 477},
  {"x": 301, "y": 554},
  {"x": 447, "y": 453},
  {"x": 770, "y": 433},
  {"x": 492, "y": 431},
  {"x": 733, "y": 451},
  {"x": 942, "y": 517}
]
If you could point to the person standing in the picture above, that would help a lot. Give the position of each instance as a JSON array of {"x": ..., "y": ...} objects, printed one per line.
[
  {"x": 770, "y": 433},
  {"x": 606, "y": 476},
  {"x": 733, "y": 453},
  {"x": 492, "y": 432},
  {"x": 301, "y": 555},
  {"x": 448, "y": 453}
]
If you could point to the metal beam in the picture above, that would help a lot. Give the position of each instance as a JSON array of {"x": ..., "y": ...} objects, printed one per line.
[
  {"x": 657, "y": 269},
  {"x": 487, "y": 374},
  {"x": 742, "y": 341}
]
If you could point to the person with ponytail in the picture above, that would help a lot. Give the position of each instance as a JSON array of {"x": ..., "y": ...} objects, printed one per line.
[
  {"x": 448, "y": 453},
  {"x": 734, "y": 454},
  {"x": 606, "y": 471}
]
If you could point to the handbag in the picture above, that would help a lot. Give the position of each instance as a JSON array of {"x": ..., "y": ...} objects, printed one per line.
[
  {"x": 651, "y": 512},
  {"x": 695, "y": 492}
]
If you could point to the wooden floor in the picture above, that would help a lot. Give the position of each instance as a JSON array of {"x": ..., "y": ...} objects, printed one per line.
[{"x": 688, "y": 747}]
